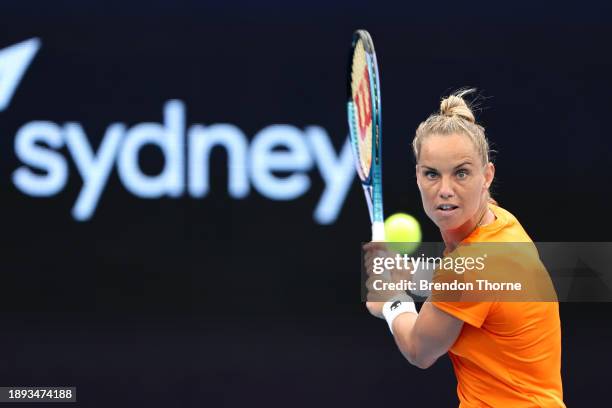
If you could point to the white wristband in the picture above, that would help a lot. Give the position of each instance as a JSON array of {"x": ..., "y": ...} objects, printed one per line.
[{"x": 396, "y": 306}]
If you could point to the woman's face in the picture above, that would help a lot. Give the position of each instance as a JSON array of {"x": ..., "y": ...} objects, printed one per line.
[{"x": 452, "y": 180}]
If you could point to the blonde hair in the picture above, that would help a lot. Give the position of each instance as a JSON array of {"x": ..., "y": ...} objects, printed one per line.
[{"x": 455, "y": 116}]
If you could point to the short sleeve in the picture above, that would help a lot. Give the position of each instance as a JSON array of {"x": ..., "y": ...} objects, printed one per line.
[{"x": 473, "y": 313}]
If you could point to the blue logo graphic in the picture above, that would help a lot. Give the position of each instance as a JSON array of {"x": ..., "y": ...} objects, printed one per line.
[{"x": 14, "y": 62}]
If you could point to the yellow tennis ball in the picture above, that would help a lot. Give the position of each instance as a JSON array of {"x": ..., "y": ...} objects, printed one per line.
[{"x": 403, "y": 232}]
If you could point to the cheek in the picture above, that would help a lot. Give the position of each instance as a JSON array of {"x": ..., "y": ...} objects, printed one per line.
[
  {"x": 472, "y": 194},
  {"x": 474, "y": 190},
  {"x": 426, "y": 191}
]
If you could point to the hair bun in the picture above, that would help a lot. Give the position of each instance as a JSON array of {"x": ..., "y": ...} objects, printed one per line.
[{"x": 455, "y": 105}]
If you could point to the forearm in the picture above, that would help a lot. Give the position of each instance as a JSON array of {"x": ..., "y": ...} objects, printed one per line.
[
  {"x": 401, "y": 316},
  {"x": 424, "y": 339},
  {"x": 406, "y": 340},
  {"x": 421, "y": 336}
]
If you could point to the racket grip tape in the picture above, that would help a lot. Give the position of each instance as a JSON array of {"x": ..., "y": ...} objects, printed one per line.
[{"x": 378, "y": 231}]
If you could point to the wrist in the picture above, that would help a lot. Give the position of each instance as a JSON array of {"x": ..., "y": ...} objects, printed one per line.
[{"x": 398, "y": 305}]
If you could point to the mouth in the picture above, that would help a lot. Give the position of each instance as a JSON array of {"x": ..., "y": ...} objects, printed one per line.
[{"x": 447, "y": 208}]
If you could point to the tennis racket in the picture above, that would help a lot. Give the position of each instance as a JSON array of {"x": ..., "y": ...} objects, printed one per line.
[{"x": 365, "y": 124}]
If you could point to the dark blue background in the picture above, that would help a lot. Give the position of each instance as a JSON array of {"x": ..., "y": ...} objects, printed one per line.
[{"x": 125, "y": 306}]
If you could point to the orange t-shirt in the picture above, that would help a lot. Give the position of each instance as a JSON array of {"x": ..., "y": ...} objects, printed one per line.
[{"x": 508, "y": 354}]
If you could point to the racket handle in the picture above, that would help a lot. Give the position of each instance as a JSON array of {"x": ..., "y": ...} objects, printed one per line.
[{"x": 378, "y": 231}]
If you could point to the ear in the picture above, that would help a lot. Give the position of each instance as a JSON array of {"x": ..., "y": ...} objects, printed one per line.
[
  {"x": 416, "y": 172},
  {"x": 489, "y": 174}
]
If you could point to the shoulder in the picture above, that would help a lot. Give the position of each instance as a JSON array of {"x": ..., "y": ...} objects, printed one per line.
[{"x": 505, "y": 228}]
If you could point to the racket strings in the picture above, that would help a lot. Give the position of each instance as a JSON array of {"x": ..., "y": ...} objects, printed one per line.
[{"x": 363, "y": 111}]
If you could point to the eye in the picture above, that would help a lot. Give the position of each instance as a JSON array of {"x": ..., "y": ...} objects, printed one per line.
[
  {"x": 431, "y": 175},
  {"x": 462, "y": 174}
]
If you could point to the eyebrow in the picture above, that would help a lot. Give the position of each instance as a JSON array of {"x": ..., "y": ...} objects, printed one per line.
[
  {"x": 463, "y": 164},
  {"x": 456, "y": 167}
]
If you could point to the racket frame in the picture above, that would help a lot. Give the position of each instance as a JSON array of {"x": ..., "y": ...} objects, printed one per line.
[{"x": 371, "y": 182}]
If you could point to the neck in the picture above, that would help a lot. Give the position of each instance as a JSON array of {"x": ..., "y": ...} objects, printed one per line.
[{"x": 452, "y": 238}]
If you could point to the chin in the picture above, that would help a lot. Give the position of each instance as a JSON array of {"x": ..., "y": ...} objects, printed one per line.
[{"x": 447, "y": 224}]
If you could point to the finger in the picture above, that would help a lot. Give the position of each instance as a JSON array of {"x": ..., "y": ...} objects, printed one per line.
[
  {"x": 375, "y": 245},
  {"x": 370, "y": 256}
]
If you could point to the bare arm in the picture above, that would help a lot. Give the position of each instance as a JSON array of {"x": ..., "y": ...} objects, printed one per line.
[
  {"x": 424, "y": 338},
  {"x": 421, "y": 338}
]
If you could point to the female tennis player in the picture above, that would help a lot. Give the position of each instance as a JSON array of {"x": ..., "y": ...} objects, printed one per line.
[{"x": 504, "y": 354}]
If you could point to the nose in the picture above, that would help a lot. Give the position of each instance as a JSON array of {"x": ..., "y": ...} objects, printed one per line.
[{"x": 446, "y": 188}]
